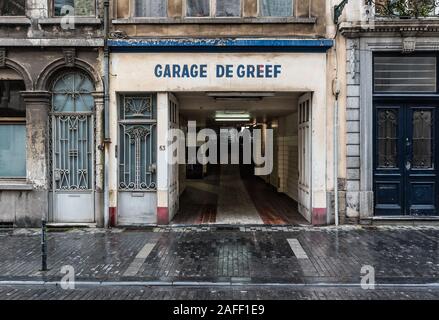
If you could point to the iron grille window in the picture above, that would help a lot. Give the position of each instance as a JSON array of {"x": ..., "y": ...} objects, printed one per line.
[
  {"x": 151, "y": 8},
  {"x": 137, "y": 143},
  {"x": 12, "y": 7},
  {"x": 74, "y": 7},
  {"x": 12, "y": 130},
  {"x": 405, "y": 74}
]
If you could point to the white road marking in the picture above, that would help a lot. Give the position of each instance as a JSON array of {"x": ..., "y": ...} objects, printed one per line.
[
  {"x": 297, "y": 249},
  {"x": 135, "y": 266}
]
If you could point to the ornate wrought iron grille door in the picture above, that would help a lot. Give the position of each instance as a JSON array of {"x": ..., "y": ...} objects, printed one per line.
[
  {"x": 72, "y": 148},
  {"x": 73, "y": 152},
  {"x": 137, "y": 154},
  {"x": 137, "y": 199}
]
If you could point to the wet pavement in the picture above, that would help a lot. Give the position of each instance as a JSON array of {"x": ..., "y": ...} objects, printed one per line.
[
  {"x": 300, "y": 258},
  {"x": 212, "y": 293}
]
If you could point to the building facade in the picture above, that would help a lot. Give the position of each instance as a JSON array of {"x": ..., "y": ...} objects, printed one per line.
[
  {"x": 51, "y": 109},
  {"x": 391, "y": 116},
  {"x": 177, "y": 61},
  {"x": 88, "y": 96}
]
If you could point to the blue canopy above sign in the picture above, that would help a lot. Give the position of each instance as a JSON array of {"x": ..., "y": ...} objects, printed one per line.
[{"x": 217, "y": 45}]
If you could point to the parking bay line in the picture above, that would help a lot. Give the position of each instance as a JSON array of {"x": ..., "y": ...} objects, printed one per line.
[
  {"x": 297, "y": 249},
  {"x": 138, "y": 261}
]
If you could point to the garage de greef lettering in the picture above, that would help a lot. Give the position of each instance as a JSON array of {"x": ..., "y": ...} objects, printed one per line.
[{"x": 195, "y": 71}]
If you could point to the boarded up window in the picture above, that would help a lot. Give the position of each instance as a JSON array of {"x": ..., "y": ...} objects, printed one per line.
[
  {"x": 74, "y": 7},
  {"x": 405, "y": 74},
  {"x": 276, "y": 8},
  {"x": 12, "y": 7},
  {"x": 151, "y": 8},
  {"x": 228, "y": 8},
  {"x": 198, "y": 8}
]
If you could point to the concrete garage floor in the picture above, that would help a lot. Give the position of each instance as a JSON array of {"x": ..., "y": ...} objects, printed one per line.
[{"x": 230, "y": 195}]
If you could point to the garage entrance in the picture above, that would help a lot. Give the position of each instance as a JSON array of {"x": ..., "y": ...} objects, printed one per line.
[{"x": 234, "y": 192}]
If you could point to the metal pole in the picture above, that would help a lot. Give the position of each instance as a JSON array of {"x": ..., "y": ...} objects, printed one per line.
[
  {"x": 43, "y": 245},
  {"x": 336, "y": 162}
]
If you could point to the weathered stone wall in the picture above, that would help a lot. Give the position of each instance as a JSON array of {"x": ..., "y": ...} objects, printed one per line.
[
  {"x": 353, "y": 129},
  {"x": 40, "y": 22},
  {"x": 308, "y": 20}
]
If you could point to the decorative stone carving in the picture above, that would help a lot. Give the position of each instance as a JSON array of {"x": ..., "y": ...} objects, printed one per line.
[
  {"x": 69, "y": 57},
  {"x": 409, "y": 45},
  {"x": 352, "y": 60}
]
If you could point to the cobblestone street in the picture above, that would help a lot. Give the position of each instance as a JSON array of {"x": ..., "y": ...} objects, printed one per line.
[{"x": 216, "y": 263}]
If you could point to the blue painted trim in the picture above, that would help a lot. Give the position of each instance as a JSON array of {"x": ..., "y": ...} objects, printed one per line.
[{"x": 233, "y": 45}]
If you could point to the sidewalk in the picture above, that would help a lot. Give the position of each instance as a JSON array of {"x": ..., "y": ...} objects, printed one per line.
[{"x": 205, "y": 256}]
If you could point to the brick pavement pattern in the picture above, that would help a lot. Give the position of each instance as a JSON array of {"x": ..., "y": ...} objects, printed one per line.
[{"x": 400, "y": 255}]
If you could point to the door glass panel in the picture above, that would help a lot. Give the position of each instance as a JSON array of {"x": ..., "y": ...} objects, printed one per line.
[
  {"x": 422, "y": 139},
  {"x": 387, "y": 138}
]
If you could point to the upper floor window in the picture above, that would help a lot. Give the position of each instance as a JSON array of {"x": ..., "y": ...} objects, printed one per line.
[
  {"x": 228, "y": 8},
  {"x": 150, "y": 8},
  {"x": 213, "y": 8},
  {"x": 12, "y": 7},
  {"x": 198, "y": 8},
  {"x": 233, "y": 8},
  {"x": 74, "y": 7},
  {"x": 276, "y": 8}
]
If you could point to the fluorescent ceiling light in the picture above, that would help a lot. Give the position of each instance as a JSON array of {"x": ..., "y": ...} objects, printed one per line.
[
  {"x": 232, "y": 119},
  {"x": 240, "y": 94},
  {"x": 232, "y": 114}
]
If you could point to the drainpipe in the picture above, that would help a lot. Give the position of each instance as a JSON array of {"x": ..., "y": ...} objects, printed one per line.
[
  {"x": 107, "y": 140},
  {"x": 336, "y": 93}
]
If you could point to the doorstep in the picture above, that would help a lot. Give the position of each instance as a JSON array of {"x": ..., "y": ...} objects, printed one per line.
[
  {"x": 56, "y": 225},
  {"x": 401, "y": 220}
]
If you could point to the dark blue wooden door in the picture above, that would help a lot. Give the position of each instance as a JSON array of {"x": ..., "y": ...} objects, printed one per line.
[{"x": 405, "y": 159}]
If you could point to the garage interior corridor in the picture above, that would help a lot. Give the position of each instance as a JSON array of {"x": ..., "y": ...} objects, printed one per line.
[{"x": 232, "y": 195}]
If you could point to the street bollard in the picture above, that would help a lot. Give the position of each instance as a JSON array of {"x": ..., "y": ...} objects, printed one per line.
[{"x": 43, "y": 246}]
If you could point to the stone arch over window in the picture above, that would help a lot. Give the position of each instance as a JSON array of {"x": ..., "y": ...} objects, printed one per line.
[
  {"x": 46, "y": 77},
  {"x": 13, "y": 69},
  {"x": 72, "y": 92}
]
